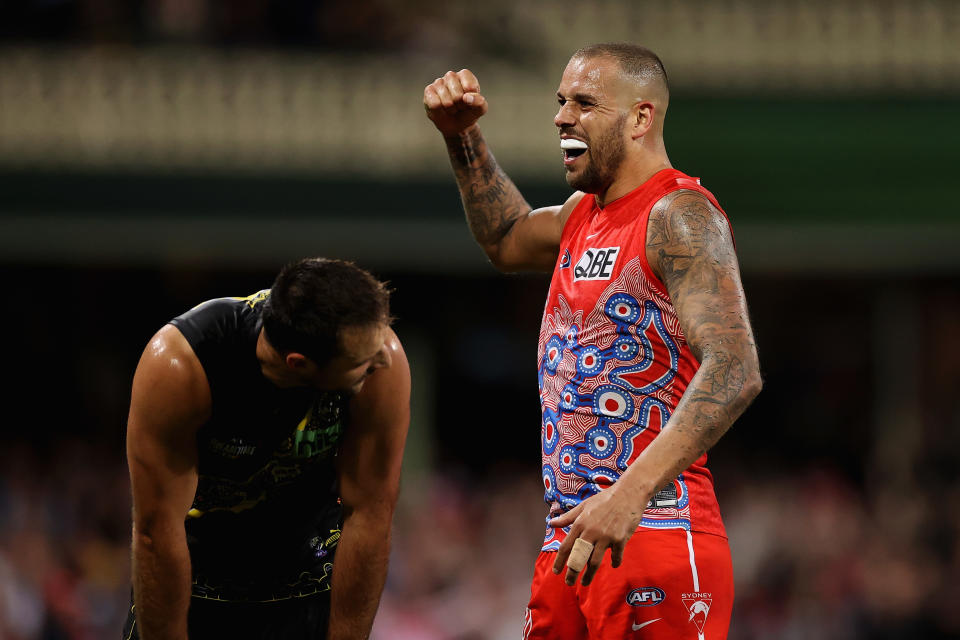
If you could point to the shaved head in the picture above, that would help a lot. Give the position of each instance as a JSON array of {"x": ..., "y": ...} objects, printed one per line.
[{"x": 639, "y": 66}]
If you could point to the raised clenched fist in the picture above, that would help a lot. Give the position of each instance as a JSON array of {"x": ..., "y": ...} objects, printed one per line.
[{"x": 453, "y": 102}]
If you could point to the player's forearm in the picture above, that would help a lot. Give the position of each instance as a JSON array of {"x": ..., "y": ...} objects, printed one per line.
[
  {"x": 359, "y": 573},
  {"x": 161, "y": 583},
  {"x": 725, "y": 385},
  {"x": 491, "y": 201}
]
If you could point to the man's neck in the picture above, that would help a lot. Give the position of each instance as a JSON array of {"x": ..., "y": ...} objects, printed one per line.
[
  {"x": 632, "y": 175},
  {"x": 271, "y": 364}
]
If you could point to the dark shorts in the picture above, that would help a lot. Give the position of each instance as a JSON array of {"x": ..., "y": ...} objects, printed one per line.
[{"x": 294, "y": 619}]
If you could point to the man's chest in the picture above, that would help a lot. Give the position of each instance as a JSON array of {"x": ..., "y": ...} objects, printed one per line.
[{"x": 593, "y": 257}]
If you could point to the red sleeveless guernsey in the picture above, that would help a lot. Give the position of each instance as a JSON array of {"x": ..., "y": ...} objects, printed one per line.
[{"x": 614, "y": 362}]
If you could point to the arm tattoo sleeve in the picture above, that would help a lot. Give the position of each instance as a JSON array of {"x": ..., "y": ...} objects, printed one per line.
[
  {"x": 691, "y": 248},
  {"x": 491, "y": 201}
]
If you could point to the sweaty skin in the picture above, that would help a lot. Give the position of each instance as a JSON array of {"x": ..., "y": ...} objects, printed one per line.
[
  {"x": 369, "y": 475},
  {"x": 689, "y": 247},
  {"x": 171, "y": 401}
]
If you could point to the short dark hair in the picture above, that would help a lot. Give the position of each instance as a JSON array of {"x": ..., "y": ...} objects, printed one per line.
[
  {"x": 638, "y": 62},
  {"x": 313, "y": 299}
]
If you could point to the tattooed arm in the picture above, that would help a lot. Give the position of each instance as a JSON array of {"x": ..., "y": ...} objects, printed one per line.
[
  {"x": 514, "y": 236},
  {"x": 690, "y": 248}
]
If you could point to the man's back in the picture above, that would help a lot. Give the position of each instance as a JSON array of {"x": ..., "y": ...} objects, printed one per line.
[
  {"x": 265, "y": 521},
  {"x": 238, "y": 424}
]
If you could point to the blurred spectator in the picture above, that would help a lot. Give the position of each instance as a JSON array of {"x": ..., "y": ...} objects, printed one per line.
[
  {"x": 814, "y": 557},
  {"x": 494, "y": 29},
  {"x": 64, "y": 559},
  {"x": 827, "y": 542}
]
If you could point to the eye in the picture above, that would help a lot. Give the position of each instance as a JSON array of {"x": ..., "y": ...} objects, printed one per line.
[{"x": 583, "y": 104}]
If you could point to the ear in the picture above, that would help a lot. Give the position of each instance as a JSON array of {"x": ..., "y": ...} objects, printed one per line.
[
  {"x": 296, "y": 361},
  {"x": 641, "y": 118}
]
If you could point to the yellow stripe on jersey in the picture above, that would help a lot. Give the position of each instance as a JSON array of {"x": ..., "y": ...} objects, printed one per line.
[
  {"x": 306, "y": 419},
  {"x": 254, "y": 299}
]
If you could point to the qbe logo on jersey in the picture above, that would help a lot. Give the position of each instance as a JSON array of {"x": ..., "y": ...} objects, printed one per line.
[{"x": 596, "y": 264}]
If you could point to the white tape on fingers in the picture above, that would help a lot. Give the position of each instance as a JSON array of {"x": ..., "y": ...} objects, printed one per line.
[{"x": 580, "y": 554}]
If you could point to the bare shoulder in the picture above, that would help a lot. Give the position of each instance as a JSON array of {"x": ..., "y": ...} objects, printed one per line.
[
  {"x": 168, "y": 344},
  {"x": 571, "y": 204},
  {"x": 393, "y": 344},
  {"x": 685, "y": 229},
  {"x": 399, "y": 367},
  {"x": 170, "y": 387},
  {"x": 388, "y": 387},
  {"x": 168, "y": 357},
  {"x": 685, "y": 211},
  {"x": 169, "y": 404},
  {"x": 559, "y": 213}
]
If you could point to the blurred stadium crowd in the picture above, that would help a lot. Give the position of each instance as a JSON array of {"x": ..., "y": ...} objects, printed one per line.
[
  {"x": 320, "y": 25},
  {"x": 814, "y": 557},
  {"x": 844, "y": 518}
]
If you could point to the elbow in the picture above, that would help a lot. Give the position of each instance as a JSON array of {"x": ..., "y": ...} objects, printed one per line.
[
  {"x": 142, "y": 538},
  {"x": 752, "y": 384},
  {"x": 498, "y": 259},
  {"x": 752, "y": 388},
  {"x": 376, "y": 517},
  {"x": 151, "y": 530},
  {"x": 144, "y": 544},
  {"x": 374, "y": 507},
  {"x": 504, "y": 257},
  {"x": 511, "y": 266}
]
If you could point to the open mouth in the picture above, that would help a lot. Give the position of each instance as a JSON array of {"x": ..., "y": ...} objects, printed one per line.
[{"x": 572, "y": 149}]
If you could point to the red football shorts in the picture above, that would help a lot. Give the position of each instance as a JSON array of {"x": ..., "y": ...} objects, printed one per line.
[{"x": 672, "y": 585}]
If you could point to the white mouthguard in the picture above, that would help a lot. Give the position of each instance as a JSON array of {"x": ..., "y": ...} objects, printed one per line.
[{"x": 570, "y": 143}]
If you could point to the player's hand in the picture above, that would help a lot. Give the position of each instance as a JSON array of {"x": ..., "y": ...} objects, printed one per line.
[
  {"x": 454, "y": 102},
  {"x": 606, "y": 520}
]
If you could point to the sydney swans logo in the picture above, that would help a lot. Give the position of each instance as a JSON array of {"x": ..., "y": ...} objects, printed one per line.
[{"x": 698, "y": 605}]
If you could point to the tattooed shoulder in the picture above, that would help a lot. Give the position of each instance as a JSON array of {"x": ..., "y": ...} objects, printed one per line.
[{"x": 684, "y": 232}]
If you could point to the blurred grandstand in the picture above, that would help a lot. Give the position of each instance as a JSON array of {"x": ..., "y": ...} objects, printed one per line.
[{"x": 160, "y": 152}]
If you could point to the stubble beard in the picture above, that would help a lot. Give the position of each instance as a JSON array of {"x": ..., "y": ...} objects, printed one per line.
[{"x": 605, "y": 155}]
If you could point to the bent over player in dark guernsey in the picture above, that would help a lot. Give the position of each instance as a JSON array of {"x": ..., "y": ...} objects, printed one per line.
[
  {"x": 265, "y": 437},
  {"x": 646, "y": 352}
]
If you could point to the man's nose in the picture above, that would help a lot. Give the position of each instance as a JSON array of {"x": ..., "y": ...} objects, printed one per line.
[{"x": 564, "y": 117}]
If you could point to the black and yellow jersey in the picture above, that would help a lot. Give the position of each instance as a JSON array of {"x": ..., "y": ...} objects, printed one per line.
[{"x": 266, "y": 518}]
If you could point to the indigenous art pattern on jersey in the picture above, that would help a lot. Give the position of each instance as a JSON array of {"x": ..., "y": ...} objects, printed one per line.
[
  {"x": 604, "y": 382},
  {"x": 613, "y": 362}
]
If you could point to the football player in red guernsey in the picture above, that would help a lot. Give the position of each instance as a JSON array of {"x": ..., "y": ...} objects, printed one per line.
[{"x": 646, "y": 353}]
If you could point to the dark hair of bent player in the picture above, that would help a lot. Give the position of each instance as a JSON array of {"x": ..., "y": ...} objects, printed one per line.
[{"x": 313, "y": 299}]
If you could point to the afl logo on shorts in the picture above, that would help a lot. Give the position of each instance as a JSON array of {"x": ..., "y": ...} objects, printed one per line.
[
  {"x": 596, "y": 264},
  {"x": 645, "y": 597}
]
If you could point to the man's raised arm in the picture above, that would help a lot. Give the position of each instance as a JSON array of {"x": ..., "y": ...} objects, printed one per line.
[
  {"x": 514, "y": 236},
  {"x": 170, "y": 401}
]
